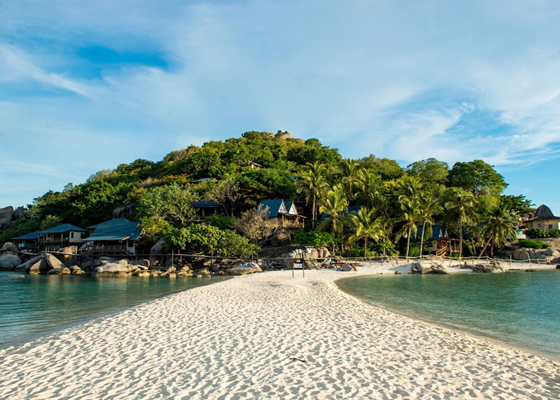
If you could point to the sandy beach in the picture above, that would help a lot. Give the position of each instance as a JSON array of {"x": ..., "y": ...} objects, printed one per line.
[{"x": 269, "y": 336}]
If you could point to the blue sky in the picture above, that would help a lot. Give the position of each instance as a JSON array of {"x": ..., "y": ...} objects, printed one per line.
[{"x": 89, "y": 85}]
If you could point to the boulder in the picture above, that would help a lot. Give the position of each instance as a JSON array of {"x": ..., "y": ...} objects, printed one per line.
[
  {"x": 18, "y": 213},
  {"x": 157, "y": 252},
  {"x": 9, "y": 261},
  {"x": 347, "y": 267},
  {"x": 6, "y": 215},
  {"x": 111, "y": 270},
  {"x": 523, "y": 255},
  {"x": 39, "y": 267},
  {"x": 9, "y": 246},
  {"x": 26, "y": 265},
  {"x": 59, "y": 271},
  {"x": 281, "y": 237},
  {"x": 493, "y": 268},
  {"x": 244, "y": 269},
  {"x": 438, "y": 269},
  {"x": 124, "y": 212},
  {"x": 418, "y": 268},
  {"x": 53, "y": 262}
]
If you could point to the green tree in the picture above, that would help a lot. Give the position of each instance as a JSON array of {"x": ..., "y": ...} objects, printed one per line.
[
  {"x": 50, "y": 221},
  {"x": 333, "y": 204},
  {"x": 428, "y": 206},
  {"x": 171, "y": 204},
  {"x": 311, "y": 184},
  {"x": 365, "y": 227},
  {"x": 477, "y": 177},
  {"x": 429, "y": 171},
  {"x": 460, "y": 209},
  {"x": 226, "y": 193},
  {"x": 498, "y": 226}
]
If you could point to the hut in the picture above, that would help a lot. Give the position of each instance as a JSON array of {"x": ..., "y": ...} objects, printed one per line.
[
  {"x": 282, "y": 214},
  {"x": 543, "y": 219},
  {"x": 27, "y": 242},
  {"x": 60, "y": 236},
  {"x": 206, "y": 208},
  {"x": 116, "y": 237}
]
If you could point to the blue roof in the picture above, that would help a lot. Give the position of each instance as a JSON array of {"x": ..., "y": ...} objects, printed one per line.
[
  {"x": 29, "y": 236},
  {"x": 273, "y": 207},
  {"x": 206, "y": 204},
  {"x": 115, "y": 232},
  {"x": 64, "y": 228},
  {"x": 117, "y": 221},
  {"x": 288, "y": 206}
]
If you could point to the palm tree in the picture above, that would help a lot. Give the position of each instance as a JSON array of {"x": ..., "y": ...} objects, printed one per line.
[
  {"x": 333, "y": 204},
  {"x": 498, "y": 226},
  {"x": 410, "y": 217},
  {"x": 366, "y": 226},
  {"x": 370, "y": 188},
  {"x": 312, "y": 184},
  {"x": 350, "y": 171},
  {"x": 428, "y": 205},
  {"x": 460, "y": 207}
]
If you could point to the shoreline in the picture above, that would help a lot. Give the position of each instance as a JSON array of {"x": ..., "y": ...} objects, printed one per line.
[{"x": 269, "y": 336}]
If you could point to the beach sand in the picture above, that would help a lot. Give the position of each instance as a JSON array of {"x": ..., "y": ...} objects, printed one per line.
[{"x": 269, "y": 336}]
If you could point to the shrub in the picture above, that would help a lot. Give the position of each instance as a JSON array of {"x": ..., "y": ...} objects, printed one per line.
[
  {"x": 314, "y": 239},
  {"x": 221, "y": 221},
  {"x": 358, "y": 251},
  {"x": 554, "y": 233},
  {"x": 535, "y": 233},
  {"x": 533, "y": 244}
]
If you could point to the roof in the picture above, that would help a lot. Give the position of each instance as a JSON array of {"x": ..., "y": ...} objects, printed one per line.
[
  {"x": 275, "y": 207},
  {"x": 64, "y": 228},
  {"x": 288, "y": 205},
  {"x": 117, "y": 221},
  {"x": 116, "y": 232},
  {"x": 29, "y": 236},
  {"x": 206, "y": 204},
  {"x": 543, "y": 213}
]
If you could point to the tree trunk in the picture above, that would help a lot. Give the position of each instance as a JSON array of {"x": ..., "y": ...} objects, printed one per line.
[
  {"x": 365, "y": 248},
  {"x": 313, "y": 211},
  {"x": 484, "y": 248},
  {"x": 422, "y": 239},
  {"x": 408, "y": 242},
  {"x": 461, "y": 240}
]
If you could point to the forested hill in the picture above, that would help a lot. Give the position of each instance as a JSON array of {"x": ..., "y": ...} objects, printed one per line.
[{"x": 282, "y": 159}]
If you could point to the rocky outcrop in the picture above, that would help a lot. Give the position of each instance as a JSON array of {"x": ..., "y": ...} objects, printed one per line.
[
  {"x": 53, "y": 262},
  {"x": 491, "y": 267},
  {"x": 156, "y": 252},
  {"x": 9, "y": 260},
  {"x": 347, "y": 267},
  {"x": 281, "y": 237},
  {"x": 419, "y": 268},
  {"x": 9, "y": 246},
  {"x": 124, "y": 212},
  {"x": 119, "y": 269},
  {"x": 244, "y": 269},
  {"x": 6, "y": 215}
]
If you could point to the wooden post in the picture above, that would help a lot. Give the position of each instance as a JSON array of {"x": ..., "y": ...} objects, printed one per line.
[{"x": 172, "y": 255}]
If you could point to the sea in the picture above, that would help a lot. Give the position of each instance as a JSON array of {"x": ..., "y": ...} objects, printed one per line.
[
  {"x": 520, "y": 309},
  {"x": 36, "y": 304}
]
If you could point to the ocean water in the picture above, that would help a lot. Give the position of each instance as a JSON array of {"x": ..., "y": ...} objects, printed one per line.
[
  {"x": 519, "y": 308},
  {"x": 38, "y": 303}
]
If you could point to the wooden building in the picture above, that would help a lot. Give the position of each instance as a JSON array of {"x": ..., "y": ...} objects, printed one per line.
[
  {"x": 114, "y": 237},
  {"x": 27, "y": 242},
  {"x": 543, "y": 219},
  {"x": 206, "y": 208},
  {"x": 60, "y": 236},
  {"x": 282, "y": 214}
]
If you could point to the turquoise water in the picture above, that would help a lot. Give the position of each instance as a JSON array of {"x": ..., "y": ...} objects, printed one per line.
[
  {"x": 38, "y": 303},
  {"x": 519, "y": 308}
]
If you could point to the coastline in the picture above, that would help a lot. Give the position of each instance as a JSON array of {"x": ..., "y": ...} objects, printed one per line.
[{"x": 269, "y": 336}]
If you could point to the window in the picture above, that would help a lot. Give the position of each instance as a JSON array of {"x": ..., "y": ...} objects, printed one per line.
[
  {"x": 72, "y": 235},
  {"x": 550, "y": 227}
]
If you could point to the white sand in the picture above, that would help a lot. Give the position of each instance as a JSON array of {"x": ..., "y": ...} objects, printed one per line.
[{"x": 268, "y": 336}]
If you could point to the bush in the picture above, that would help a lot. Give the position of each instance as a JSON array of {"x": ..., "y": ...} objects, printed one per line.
[
  {"x": 535, "y": 233},
  {"x": 389, "y": 248},
  {"x": 553, "y": 233},
  {"x": 314, "y": 239},
  {"x": 358, "y": 251},
  {"x": 532, "y": 244},
  {"x": 221, "y": 221}
]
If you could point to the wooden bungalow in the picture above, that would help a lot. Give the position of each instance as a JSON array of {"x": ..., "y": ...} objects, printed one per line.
[
  {"x": 115, "y": 237},
  {"x": 282, "y": 214},
  {"x": 60, "y": 236},
  {"x": 438, "y": 232},
  {"x": 27, "y": 242},
  {"x": 543, "y": 219},
  {"x": 206, "y": 208}
]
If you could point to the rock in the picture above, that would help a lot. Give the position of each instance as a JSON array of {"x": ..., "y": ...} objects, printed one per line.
[
  {"x": 123, "y": 262},
  {"x": 558, "y": 267},
  {"x": 111, "y": 270},
  {"x": 438, "y": 269},
  {"x": 493, "y": 268},
  {"x": 157, "y": 252},
  {"x": 171, "y": 275},
  {"x": 59, "y": 271},
  {"x": 244, "y": 269},
  {"x": 523, "y": 255},
  {"x": 552, "y": 252},
  {"x": 418, "y": 268},
  {"x": 6, "y": 215},
  {"x": 9, "y": 261},
  {"x": 347, "y": 267},
  {"x": 124, "y": 212},
  {"x": 52, "y": 261},
  {"x": 16, "y": 276},
  {"x": 531, "y": 270},
  {"x": 18, "y": 213},
  {"x": 9, "y": 246},
  {"x": 203, "y": 271},
  {"x": 39, "y": 267},
  {"x": 142, "y": 274},
  {"x": 281, "y": 237},
  {"x": 398, "y": 273}
]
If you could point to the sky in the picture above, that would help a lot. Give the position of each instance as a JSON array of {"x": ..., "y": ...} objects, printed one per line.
[{"x": 89, "y": 85}]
